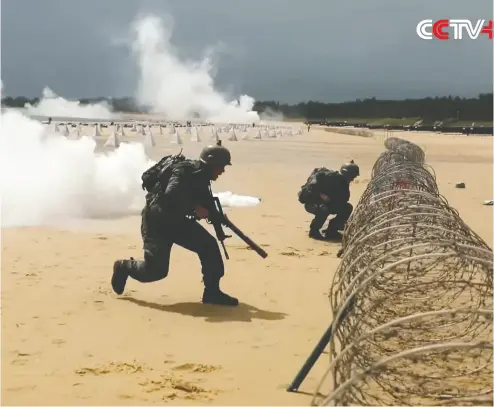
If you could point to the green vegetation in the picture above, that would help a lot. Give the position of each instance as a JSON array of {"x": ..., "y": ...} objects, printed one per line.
[{"x": 447, "y": 109}]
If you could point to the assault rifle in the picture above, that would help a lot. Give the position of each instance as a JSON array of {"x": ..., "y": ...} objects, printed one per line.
[{"x": 218, "y": 219}]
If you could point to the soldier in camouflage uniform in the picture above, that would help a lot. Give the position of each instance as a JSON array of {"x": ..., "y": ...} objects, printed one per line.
[
  {"x": 330, "y": 196},
  {"x": 164, "y": 223}
]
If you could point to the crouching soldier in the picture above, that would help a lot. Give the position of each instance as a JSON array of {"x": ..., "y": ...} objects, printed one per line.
[
  {"x": 166, "y": 221},
  {"x": 325, "y": 193}
]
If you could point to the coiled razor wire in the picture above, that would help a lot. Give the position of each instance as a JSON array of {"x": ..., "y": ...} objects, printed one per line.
[{"x": 412, "y": 297}]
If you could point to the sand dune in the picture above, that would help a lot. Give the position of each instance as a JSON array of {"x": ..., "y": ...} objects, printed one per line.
[{"x": 68, "y": 340}]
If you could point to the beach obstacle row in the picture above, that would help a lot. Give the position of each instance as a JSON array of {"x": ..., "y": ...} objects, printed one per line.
[{"x": 175, "y": 134}]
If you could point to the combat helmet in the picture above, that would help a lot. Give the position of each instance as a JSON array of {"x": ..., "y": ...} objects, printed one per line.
[
  {"x": 216, "y": 156},
  {"x": 351, "y": 170}
]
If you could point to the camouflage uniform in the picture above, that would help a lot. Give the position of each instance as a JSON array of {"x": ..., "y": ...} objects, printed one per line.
[
  {"x": 339, "y": 195},
  {"x": 165, "y": 223},
  {"x": 336, "y": 185}
]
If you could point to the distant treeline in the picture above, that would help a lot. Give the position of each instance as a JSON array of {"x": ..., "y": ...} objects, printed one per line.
[{"x": 429, "y": 109}]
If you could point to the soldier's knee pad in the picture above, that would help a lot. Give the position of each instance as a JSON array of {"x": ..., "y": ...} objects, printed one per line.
[
  {"x": 157, "y": 270},
  {"x": 156, "y": 265}
]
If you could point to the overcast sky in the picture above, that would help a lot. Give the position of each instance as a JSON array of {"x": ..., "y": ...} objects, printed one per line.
[{"x": 287, "y": 50}]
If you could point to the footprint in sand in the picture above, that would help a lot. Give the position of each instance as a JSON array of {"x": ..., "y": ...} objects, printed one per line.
[
  {"x": 292, "y": 253},
  {"x": 22, "y": 388},
  {"x": 21, "y": 358},
  {"x": 168, "y": 386},
  {"x": 99, "y": 305},
  {"x": 102, "y": 290},
  {"x": 112, "y": 367},
  {"x": 174, "y": 387},
  {"x": 197, "y": 368},
  {"x": 126, "y": 396},
  {"x": 19, "y": 362}
]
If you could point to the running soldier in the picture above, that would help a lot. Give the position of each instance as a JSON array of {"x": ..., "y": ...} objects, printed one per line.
[{"x": 166, "y": 221}]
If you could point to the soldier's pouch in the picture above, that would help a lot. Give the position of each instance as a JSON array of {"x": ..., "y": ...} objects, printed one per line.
[
  {"x": 155, "y": 220},
  {"x": 303, "y": 195}
]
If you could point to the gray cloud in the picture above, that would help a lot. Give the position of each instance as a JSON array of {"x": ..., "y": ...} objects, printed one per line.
[{"x": 272, "y": 49}]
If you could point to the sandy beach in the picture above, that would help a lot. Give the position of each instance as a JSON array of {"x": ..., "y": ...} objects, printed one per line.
[{"x": 67, "y": 339}]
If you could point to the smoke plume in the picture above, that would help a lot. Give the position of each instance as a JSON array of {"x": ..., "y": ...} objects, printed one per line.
[
  {"x": 52, "y": 105},
  {"x": 181, "y": 90},
  {"x": 46, "y": 178}
]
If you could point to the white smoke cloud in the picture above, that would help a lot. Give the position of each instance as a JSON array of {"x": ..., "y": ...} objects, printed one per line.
[
  {"x": 47, "y": 179},
  {"x": 269, "y": 114},
  {"x": 229, "y": 199},
  {"x": 179, "y": 89},
  {"x": 52, "y": 105}
]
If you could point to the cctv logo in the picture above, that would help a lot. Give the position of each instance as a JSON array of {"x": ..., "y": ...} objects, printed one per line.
[{"x": 427, "y": 29}]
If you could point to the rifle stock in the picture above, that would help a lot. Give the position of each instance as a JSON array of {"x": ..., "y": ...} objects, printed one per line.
[{"x": 222, "y": 220}]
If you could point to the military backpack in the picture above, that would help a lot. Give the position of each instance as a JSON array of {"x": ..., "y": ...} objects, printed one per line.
[
  {"x": 322, "y": 176},
  {"x": 155, "y": 179}
]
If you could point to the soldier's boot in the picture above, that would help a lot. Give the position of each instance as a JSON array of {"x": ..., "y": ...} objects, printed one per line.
[
  {"x": 333, "y": 235},
  {"x": 120, "y": 275},
  {"x": 332, "y": 231},
  {"x": 213, "y": 295},
  {"x": 334, "y": 225},
  {"x": 315, "y": 234}
]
